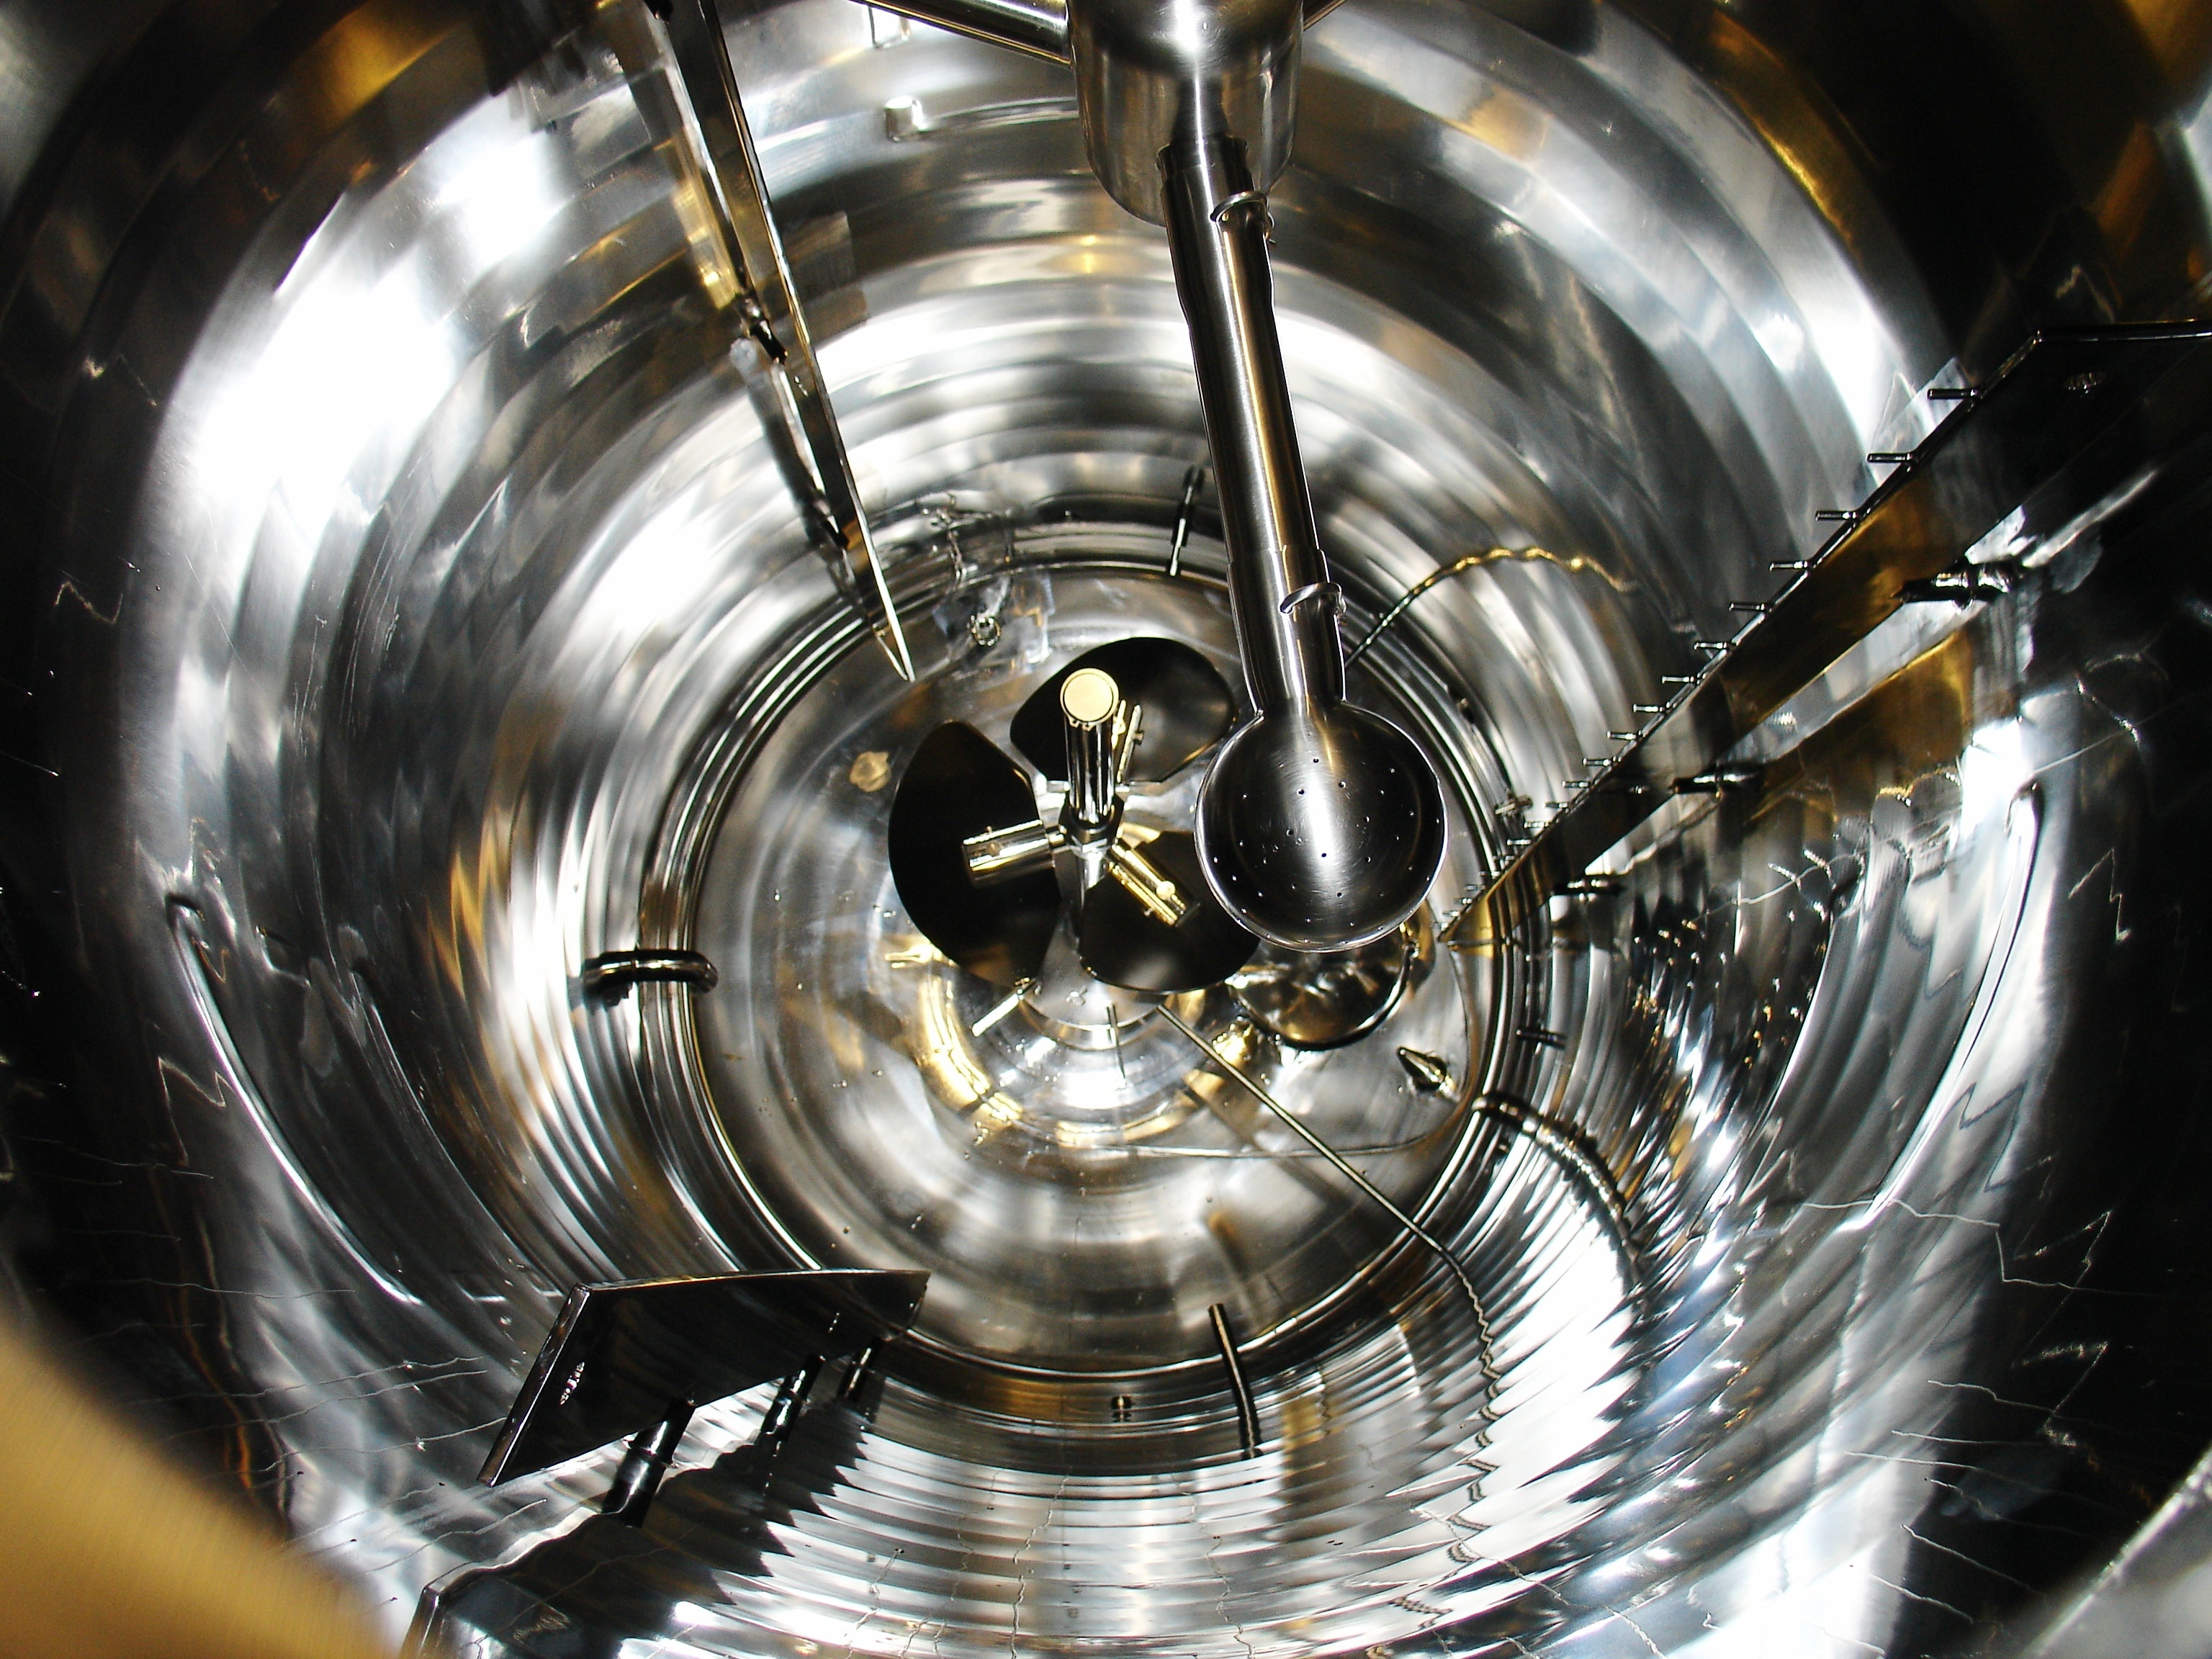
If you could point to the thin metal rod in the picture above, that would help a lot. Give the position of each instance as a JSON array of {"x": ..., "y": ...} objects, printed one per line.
[
  {"x": 1248, "y": 1416},
  {"x": 1005, "y": 1005},
  {"x": 856, "y": 1376},
  {"x": 1282, "y": 1113},
  {"x": 1038, "y": 28},
  {"x": 1191, "y": 480},
  {"x": 722, "y": 143}
]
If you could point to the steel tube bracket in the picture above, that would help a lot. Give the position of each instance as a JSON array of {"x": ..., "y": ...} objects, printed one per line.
[{"x": 2070, "y": 422}]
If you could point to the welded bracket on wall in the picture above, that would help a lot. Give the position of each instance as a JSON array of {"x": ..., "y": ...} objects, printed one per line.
[
  {"x": 722, "y": 146},
  {"x": 2073, "y": 423},
  {"x": 607, "y": 977}
]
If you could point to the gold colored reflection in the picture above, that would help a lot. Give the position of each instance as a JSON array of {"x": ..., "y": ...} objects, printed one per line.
[{"x": 107, "y": 1553}]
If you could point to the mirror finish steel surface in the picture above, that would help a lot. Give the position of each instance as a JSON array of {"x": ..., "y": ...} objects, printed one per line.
[
  {"x": 1155, "y": 76},
  {"x": 420, "y": 613}
]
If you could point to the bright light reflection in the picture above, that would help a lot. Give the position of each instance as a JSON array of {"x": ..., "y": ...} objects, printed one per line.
[
  {"x": 365, "y": 351},
  {"x": 501, "y": 199},
  {"x": 1782, "y": 340},
  {"x": 1992, "y": 773},
  {"x": 344, "y": 365}
]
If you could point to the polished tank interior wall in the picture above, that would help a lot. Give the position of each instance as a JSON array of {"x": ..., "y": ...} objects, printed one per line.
[{"x": 416, "y": 606}]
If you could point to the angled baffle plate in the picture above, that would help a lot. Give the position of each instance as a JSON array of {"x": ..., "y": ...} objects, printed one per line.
[{"x": 635, "y": 1358}]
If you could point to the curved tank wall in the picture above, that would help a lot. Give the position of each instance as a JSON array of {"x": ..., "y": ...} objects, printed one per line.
[{"x": 416, "y": 607}]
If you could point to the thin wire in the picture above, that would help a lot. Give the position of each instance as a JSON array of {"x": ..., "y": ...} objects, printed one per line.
[
  {"x": 1576, "y": 562},
  {"x": 1138, "y": 1149}
]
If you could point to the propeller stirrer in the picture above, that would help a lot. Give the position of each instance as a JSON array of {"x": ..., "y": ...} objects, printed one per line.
[{"x": 989, "y": 881}]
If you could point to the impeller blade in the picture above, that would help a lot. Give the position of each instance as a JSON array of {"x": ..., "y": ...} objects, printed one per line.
[
  {"x": 1187, "y": 708},
  {"x": 959, "y": 784},
  {"x": 1123, "y": 944}
]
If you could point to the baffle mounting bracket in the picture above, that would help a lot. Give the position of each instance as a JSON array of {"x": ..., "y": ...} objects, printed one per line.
[{"x": 2073, "y": 419}]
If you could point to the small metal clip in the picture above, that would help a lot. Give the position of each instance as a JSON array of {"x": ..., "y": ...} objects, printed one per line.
[
  {"x": 607, "y": 978},
  {"x": 1246, "y": 198},
  {"x": 1328, "y": 595},
  {"x": 1964, "y": 583},
  {"x": 1191, "y": 480}
]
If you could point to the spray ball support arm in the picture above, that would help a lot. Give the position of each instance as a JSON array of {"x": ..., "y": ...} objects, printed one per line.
[{"x": 1320, "y": 824}]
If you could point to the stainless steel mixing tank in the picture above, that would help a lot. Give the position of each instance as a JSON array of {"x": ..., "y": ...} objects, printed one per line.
[{"x": 411, "y": 601}]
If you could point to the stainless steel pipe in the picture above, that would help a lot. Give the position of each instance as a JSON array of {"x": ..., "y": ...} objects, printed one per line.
[
  {"x": 1038, "y": 28},
  {"x": 1286, "y": 605},
  {"x": 1320, "y": 824},
  {"x": 1090, "y": 703}
]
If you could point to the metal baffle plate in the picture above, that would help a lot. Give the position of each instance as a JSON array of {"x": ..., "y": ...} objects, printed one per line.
[{"x": 619, "y": 1353}]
